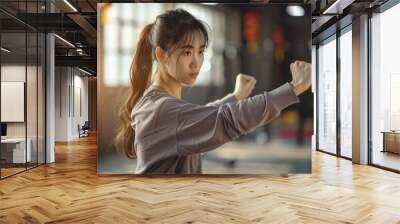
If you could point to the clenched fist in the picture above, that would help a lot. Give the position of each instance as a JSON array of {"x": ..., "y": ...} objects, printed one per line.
[
  {"x": 244, "y": 85},
  {"x": 301, "y": 75}
]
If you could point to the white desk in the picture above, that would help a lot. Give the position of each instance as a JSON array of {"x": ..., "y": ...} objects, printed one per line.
[{"x": 18, "y": 150}]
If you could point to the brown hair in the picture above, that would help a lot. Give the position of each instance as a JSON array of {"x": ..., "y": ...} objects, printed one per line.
[{"x": 167, "y": 32}]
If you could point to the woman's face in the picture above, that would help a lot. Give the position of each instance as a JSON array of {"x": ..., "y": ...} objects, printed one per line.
[{"x": 185, "y": 62}]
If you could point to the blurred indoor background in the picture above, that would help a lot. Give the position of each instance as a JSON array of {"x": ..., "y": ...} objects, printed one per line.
[{"x": 259, "y": 40}]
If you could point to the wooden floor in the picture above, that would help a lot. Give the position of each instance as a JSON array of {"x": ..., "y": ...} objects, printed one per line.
[
  {"x": 10, "y": 171},
  {"x": 69, "y": 191}
]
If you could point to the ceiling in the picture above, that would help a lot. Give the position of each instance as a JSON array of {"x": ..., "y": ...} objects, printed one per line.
[
  {"x": 75, "y": 22},
  {"x": 332, "y": 15}
]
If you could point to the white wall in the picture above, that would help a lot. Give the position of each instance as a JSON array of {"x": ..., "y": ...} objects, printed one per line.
[
  {"x": 80, "y": 97},
  {"x": 61, "y": 103},
  {"x": 70, "y": 83}
]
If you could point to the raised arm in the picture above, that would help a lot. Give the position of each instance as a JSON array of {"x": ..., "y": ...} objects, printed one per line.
[
  {"x": 203, "y": 128},
  {"x": 243, "y": 87},
  {"x": 230, "y": 98}
]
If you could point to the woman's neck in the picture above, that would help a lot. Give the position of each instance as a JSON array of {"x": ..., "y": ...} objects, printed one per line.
[{"x": 169, "y": 84}]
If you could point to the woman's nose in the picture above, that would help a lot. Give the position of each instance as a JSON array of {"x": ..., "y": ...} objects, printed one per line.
[{"x": 196, "y": 60}]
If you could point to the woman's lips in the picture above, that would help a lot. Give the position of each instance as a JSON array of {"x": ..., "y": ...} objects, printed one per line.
[{"x": 193, "y": 75}]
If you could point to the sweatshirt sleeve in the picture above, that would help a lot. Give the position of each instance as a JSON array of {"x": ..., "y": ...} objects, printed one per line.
[
  {"x": 203, "y": 128},
  {"x": 230, "y": 98}
]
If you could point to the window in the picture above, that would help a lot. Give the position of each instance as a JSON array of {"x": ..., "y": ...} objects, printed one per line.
[
  {"x": 385, "y": 86},
  {"x": 346, "y": 94},
  {"x": 327, "y": 96},
  {"x": 122, "y": 26}
]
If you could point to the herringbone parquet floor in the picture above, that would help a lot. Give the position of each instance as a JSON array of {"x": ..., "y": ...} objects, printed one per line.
[{"x": 69, "y": 191}]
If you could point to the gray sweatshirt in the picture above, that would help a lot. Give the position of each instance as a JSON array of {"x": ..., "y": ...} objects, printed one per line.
[{"x": 171, "y": 134}]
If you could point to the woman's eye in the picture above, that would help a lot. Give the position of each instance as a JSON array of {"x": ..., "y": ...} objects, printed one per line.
[
  {"x": 188, "y": 53},
  {"x": 201, "y": 52}
]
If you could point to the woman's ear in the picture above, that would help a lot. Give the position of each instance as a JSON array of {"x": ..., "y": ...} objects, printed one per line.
[{"x": 159, "y": 52}]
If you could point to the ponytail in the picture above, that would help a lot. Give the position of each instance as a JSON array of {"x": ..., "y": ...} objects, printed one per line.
[{"x": 140, "y": 76}]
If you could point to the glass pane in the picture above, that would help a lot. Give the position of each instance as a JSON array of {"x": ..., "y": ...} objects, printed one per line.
[
  {"x": 385, "y": 86},
  {"x": 41, "y": 99},
  {"x": 313, "y": 86},
  {"x": 345, "y": 94},
  {"x": 31, "y": 97},
  {"x": 327, "y": 97},
  {"x": 13, "y": 87}
]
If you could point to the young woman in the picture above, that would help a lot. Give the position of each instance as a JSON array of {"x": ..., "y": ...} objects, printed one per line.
[{"x": 168, "y": 135}]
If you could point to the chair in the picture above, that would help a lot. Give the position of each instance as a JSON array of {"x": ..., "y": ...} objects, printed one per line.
[{"x": 84, "y": 130}]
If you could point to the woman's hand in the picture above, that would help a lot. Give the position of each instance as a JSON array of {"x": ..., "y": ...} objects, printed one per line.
[
  {"x": 244, "y": 85},
  {"x": 301, "y": 75}
]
